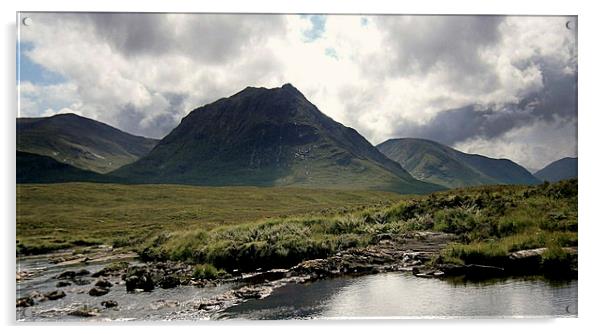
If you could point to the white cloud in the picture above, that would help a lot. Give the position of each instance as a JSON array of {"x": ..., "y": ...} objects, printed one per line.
[
  {"x": 533, "y": 146},
  {"x": 142, "y": 73}
]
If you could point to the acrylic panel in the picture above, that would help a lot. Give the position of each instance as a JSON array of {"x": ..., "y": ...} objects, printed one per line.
[{"x": 295, "y": 166}]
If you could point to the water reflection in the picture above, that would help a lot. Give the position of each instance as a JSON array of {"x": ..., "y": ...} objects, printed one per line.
[{"x": 403, "y": 295}]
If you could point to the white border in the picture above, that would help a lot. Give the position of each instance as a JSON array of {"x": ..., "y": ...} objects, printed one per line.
[{"x": 589, "y": 154}]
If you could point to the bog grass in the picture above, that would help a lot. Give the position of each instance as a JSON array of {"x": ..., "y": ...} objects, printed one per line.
[
  {"x": 249, "y": 228},
  {"x": 56, "y": 216}
]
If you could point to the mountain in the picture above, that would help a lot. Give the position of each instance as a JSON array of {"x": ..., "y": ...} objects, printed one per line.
[
  {"x": 34, "y": 168},
  {"x": 266, "y": 137},
  {"x": 80, "y": 142},
  {"x": 562, "y": 169},
  {"x": 436, "y": 163}
]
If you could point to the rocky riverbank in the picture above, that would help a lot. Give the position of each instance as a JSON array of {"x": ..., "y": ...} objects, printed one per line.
[{"x": 417, "y": 252}]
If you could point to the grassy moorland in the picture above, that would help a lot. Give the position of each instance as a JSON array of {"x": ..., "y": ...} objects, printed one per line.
[
  {"x": 57, "y": 216},
  {"x": 491, "y": 222},
  {"x": 250, "y": 228}
]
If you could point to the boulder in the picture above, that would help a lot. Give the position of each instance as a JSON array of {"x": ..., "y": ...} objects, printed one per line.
[
  {"x": 82, "y": 272},
  {"x": 79, "y": 281},
  {"x": 525, "y": 261},
  {"x": 266, "y": 276},
  {"x": 54, "y": 295},
  {"x": 109, "y": 303},
  {"x": 209, "y": 305},
  {"x": 25, "y": 302},
  {"x": 69, "y": 274},
  {"x": 103, "y": 283},
  {"x": 61, "y": 284},
  {"x": 252, "y": 292},
  {"x": 84, "y": 312},
  {"x": 98, "y": 291},
  {"x": 139, "y": 278}
]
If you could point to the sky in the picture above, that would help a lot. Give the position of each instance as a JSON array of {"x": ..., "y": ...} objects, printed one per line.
[{"x": 504, "y": 87}]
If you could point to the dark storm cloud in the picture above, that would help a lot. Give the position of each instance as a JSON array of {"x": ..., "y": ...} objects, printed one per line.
[
  {"x": 204, "y": 37},
  {"x": 158, "y": 126},
  {"x": 556, "y": 102},
  {"x": 448, "y": 44}
]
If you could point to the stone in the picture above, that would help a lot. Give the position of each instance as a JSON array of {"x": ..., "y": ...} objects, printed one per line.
[
  {"x": 139, "y": 278},
  {"x": 81, "y": 282},
  {"x": 61, "y": 284},
  {"x": 98, "y": 291},
  {"x": 54, "y": 295},
  {"x": 109, "y": 303},
  {"x": 82, "y": 272},
  {"x": 103, "y": 283},
  {"x": 84, "y": 312},
  {"x": 251, "y": 292},
  {"x": 25, "y": 302},
  {"x": 69, "y": 274}
]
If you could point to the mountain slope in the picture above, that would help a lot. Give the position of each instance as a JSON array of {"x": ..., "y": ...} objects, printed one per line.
[
  {"x": 436, "y": 163},
  {"x": 268, "y": 137},
  {"x": 565, "y": 168},
  {"x": 80, "y": 142},
  {"x": 34, "y": 168}
]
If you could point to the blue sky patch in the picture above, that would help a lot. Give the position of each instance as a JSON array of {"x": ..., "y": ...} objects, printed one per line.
[
  {"x": 28, "y": 70},
  {"x": 317, "y": 27},
  {"x": 331, "y": 52}
]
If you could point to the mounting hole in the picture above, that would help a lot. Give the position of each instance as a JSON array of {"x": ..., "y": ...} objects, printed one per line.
[{"x": 27, "y": 21}]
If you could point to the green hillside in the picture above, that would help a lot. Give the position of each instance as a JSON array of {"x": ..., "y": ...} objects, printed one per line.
[
  {"x": 562, "y": 169},
  {"x": 80, "y": 142},
  {"x": 436, "y": 163}
]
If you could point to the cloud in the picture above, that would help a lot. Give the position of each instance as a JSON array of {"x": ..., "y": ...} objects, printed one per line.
[
  {"x": 532, "y": 146},
  {"x": 127, "y": 68},
  {"x": 450, "y": 44},
  {"x": 466, "y": 81},
  {"x": 555, "y": 102}
]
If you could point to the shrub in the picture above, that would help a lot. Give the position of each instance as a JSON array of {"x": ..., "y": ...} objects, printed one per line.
[
  {"x": 456, "y": 220},
  {"x": 485, "y": 253},
  {"x": 207, "y": 271}
]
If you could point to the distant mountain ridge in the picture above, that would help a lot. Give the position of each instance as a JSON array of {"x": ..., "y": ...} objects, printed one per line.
[
  {"x": 436, "y": 163},
  {"x": 81, "y": 142},
  {"x": 565, "y": 168},
  {"x": 267, "y": 137}
]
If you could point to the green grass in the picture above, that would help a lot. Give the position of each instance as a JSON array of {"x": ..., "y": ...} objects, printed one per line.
[
  {"x": 248, "y": 228},
  {"x": 56, "y": 216},
  {"x": 207, "y": 271},
  {"x": 528, "y": 218}
]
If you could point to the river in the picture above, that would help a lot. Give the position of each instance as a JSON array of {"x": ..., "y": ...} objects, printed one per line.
[
  {"x": 401, "y": 295},
  {"x": 397, "y": 295}
]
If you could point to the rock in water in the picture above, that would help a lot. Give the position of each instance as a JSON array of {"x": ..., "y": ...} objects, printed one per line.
[
  {"x": 82, "y": 272},
  {"x": 98, "y": 291},
  {"x": 84, "y": 312},
  {"x": 25, "y": 302},
  {"x": 103, "y": 283},
  {"x": 54, "y": 295},
  {"x": 139, "y": 278},
  {"x": 69, "y": 274},
  {"x": 109, "y": 303},
  {"x": 78, "y": 281}
]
